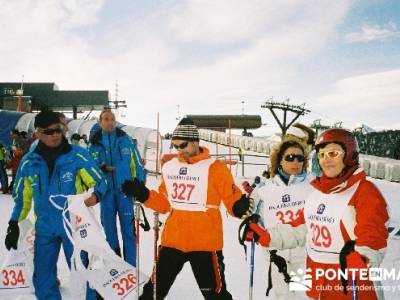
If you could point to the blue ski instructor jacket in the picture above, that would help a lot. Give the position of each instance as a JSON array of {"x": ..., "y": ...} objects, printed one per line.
[{"x": 74, "y": 172}]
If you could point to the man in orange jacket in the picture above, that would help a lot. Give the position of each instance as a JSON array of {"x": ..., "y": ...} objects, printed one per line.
[{"x": 193, "y": 185}]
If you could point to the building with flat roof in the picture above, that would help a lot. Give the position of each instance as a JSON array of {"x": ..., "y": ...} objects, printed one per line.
[
  {"x": 36, "y": 95},
  {"x": 221, "y": 122}
]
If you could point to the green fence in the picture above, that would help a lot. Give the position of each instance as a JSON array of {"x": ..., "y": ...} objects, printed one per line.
[{"x": 383, "y": 143}]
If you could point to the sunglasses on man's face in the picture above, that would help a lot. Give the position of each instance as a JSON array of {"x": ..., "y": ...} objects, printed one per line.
[
  {"x": 292, "y": 157},
  {"x": 51, "y": 131},
  {"x": 332, "y": 154},
  {"x": 180, "y": 146}
]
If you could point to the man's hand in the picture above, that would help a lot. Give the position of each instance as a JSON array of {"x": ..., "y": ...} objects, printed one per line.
[
  {"x": 91, "y": 201},
  {"x": 107, "y": 169},
  {"x": 135, "y": 188}
]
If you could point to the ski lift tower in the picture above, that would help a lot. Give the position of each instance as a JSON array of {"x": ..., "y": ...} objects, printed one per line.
[
  {"x": 318, "y": 126},
  {"x": 337, "y": 124},
  {"x": 298, "y": 110},
  {"x": 116, "y": 104}
]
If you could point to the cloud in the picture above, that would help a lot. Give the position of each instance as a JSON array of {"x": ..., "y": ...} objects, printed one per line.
[
  {"x": 78, "y": 13},
  {"x": 42, "y": 45},
  {"x": 369, "y": 33},
  {"x": 226, "y": 21},
  {"x": 254, "y": 66},
  {"x": 372, "y": 99},
  {"x": 206, "y": 56}
]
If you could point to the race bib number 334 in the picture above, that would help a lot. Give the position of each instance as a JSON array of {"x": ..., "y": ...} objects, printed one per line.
[{"x": 12, "y": 278}]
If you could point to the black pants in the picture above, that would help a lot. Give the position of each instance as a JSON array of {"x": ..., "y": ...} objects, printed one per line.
[
  {"x": 208, "y": 269},
  {"x": 3, "y": 177}
]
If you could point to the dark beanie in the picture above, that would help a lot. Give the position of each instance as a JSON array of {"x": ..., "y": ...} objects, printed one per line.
[
  {"x": 186, "y": 131},
  {"x": 46, "y": 118}
]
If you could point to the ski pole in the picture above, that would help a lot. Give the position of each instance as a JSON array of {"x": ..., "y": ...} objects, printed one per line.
[
  {"x": 251, "y": 269},
  {"x": 156, "y": 228},
  {"x": 137, "y": 228},
  {"x": 354, "y": 292}
]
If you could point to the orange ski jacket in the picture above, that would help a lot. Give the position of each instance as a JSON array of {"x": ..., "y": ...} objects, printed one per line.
[{"x": 196, "y": 230}]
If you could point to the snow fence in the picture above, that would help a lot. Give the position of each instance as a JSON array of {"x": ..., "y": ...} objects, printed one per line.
[{"x": 374, "y": 166}]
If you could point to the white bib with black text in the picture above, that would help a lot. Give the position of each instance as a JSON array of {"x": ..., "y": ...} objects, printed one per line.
[
  {"x": 283, "y": 204},
  {"x": 187, "y": 184},
  {"x": 323, "y": 213}
]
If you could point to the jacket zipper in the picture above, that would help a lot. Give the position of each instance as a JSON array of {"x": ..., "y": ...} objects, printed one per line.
[
  {"x": 111, "y": 160},
  {"x": 59, "y": 180},
  {"x": 40, "y": 184}
]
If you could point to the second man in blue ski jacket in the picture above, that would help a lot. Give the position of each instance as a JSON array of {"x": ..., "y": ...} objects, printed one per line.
[{"x": 118, "y": 157}]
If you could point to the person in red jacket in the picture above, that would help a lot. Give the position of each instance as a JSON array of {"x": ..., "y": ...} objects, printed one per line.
[
  {"x": 343, "y": 225},
  {"x": 13, "y": 164},
  {"x": 192, "y": 189}
]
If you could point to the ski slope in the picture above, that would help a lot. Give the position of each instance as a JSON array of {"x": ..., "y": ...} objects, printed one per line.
[{"x": 236, "y": 272}]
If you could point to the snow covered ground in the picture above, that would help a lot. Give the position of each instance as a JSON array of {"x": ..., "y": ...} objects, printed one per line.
[{"x": 236, "y": 266}]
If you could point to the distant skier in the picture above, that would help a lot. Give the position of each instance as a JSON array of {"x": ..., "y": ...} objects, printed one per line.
[{"x": 3, "y": 174}]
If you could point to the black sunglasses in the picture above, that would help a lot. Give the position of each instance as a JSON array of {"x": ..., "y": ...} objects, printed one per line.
[
  {"x": 292, "y": 157},
  {"x": 51, "y": 131},
  {"x": 180, "y": 146}
]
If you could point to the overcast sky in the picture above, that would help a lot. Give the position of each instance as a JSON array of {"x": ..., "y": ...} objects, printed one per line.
[{"x": 341, "y": 58}]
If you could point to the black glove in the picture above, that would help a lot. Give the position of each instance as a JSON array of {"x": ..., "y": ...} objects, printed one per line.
[
  {"x": 12, "y": 235},
  {"x": 135, "y": 188},
  {"x": 243, "y": 206}
]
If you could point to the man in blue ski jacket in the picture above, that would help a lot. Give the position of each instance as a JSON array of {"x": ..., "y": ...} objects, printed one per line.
[
  {"x": 117, "y": 155},
  {"x": 53, "y": 167}
]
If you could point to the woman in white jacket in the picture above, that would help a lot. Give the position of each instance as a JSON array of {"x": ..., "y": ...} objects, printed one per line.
[{"x": 280, "y": 200}]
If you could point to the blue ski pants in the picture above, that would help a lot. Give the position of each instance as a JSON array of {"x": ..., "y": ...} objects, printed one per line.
[
  {"x": 113, "y": 203},
  {"x": 46, "y": 252}
]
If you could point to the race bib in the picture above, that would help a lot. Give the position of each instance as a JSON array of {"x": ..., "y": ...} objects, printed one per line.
[
  {"x": 187, "y": 184},
  {"x": 109, "y": 274},
  {"x": 283, "y": 204},
  {"x": 116, "y": 280},
  {"x": 323, "y": 213},
  {"x": 17, "y": 269}
]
